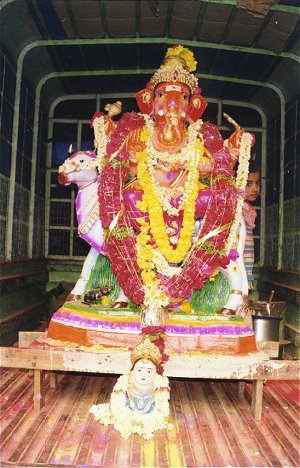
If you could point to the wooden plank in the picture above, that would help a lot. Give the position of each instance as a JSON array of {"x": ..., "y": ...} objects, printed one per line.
[
  {"x": 8, "y": 402},
  {"x": 108, "y": 361},
  {"x": 283, "y": 285},
  {"x": 70, "y": 415},
  {"x": 24, "y": 310},
  {"x": 65, "y": 435},
  {"x": 251, "y": 367},
  {"x": 271, "y": 348},
  {"x": 266, "y": 452},
  {"x": 236, "y": 426},
  {"x": 210, "y": 428},
  {"x": 26, "y": 338},
  {"x": 232, "y": 435},
  {"x": 22, "y": 275}
]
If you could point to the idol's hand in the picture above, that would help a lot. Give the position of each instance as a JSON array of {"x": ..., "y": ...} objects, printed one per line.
[{"x": 205, "y": 168}]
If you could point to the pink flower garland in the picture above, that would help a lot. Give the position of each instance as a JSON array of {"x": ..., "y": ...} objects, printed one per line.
[{"x": 220, "y": 211}]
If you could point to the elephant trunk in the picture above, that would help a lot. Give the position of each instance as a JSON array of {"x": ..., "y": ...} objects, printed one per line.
[{"x": 170, "y": 136}]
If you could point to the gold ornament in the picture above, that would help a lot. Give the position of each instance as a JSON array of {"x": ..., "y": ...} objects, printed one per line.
[
  {"x": 113, "y": 109},
  {"x": 197, "y": 103},
  {"x": 146, "y": 350},
  {"x": 146, "y": 97},
  {"x": 177, "y": 66}
]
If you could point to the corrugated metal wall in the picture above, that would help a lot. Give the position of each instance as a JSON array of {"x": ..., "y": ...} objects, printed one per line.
[{"x": 23, "y": 299}]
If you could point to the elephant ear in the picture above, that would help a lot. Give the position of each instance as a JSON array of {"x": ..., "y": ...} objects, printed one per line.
[
  {"x": 145, "y": 101},
  {"x": 197, "y": 106}
]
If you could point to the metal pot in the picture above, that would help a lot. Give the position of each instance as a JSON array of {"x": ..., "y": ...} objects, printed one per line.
[
  {"x": 266, "y": 327},
  {"x": 152, "y": 317}
]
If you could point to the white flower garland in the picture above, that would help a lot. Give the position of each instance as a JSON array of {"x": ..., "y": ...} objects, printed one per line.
[
  {"x": 163, "y": 266},
  {"x": 128, "y": 422},
  {"x": 100, "y": 141},
  {"x": 241, "y": 181},
  {"x": 166, "y": 194},
  {"x": 154, "y": 298}
]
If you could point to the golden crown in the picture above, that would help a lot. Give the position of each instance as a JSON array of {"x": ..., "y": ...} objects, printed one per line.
[
  {"x": 146, "y": 350},
  {"x": 177, "y": 66}
]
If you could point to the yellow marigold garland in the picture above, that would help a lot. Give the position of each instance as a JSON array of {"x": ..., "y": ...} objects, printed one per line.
[{"x": 153, "y": 296}]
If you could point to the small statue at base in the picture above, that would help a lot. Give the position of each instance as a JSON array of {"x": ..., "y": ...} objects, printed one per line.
[{"x": 140, "y": 400}]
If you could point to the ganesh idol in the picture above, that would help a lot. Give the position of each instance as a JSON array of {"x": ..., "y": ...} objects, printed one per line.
[{"x": 169, "y": 200}]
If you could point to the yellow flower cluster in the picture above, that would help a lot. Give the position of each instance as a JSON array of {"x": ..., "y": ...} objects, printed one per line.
[
  {"x": 186, "y": 307},
  {"x": 105, "y": 300},
  {"x": 213, "y": 275},
  {"x": 185, "y": 54}
]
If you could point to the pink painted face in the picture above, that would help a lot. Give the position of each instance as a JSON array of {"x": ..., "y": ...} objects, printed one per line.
[
  {"x": 143, "y": 374},
  {"x": 171, "y": 100},
  {"x": 170, "y": 112}
]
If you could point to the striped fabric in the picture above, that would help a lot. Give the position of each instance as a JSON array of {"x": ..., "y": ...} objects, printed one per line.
[{"x": 249, "y": 253}]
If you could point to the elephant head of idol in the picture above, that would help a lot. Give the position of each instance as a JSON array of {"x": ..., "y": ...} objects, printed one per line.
[{"x": 173, "y": 99}]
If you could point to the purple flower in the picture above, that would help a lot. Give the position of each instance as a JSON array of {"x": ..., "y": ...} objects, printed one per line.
[{"x": 233, "y": 254}]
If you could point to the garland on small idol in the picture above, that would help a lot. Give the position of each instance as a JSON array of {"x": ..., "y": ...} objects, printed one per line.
[
  {"x": 134, "y": 258},
  {"x": 127, "y": 421}
]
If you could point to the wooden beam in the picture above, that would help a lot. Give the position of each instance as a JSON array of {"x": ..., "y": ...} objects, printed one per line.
[
  {"x": 250, "y": 367},
  {"x": 53, "y": 380},
  {"x": 257, "y": 397},
  {"x": 22, "y": 275},
  {"x": 109, "y": 361},
  {"x": 241, "y": 388},
  {"x": 255, "y": 366},
  {"x": 23, "y": 311},
  {"x": 38, "y": 390}
]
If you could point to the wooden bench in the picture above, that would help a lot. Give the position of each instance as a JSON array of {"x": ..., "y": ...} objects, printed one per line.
[{"x": 255, "y": 367}]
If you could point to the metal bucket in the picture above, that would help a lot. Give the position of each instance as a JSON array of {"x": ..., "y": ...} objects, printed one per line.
[
  {"x": 275, "y": 309},
  {"x": 269, "y": 309},
  {"x": 266, "y": 327}
]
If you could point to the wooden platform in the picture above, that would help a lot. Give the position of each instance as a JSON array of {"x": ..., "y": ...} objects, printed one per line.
[
  {"x": 255, "y": 367},
  {"x": 213, "y": 426}
]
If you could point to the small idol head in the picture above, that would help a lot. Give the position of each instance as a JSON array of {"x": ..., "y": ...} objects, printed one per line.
[{"x": 143, "y": 373}]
